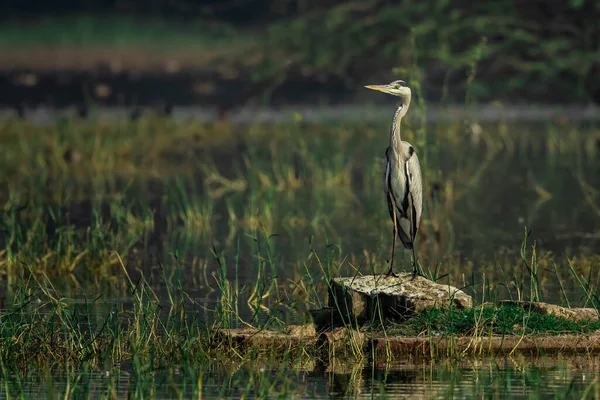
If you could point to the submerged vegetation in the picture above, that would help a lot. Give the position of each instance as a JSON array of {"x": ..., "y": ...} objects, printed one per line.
[{"x": 125, "y": 245}]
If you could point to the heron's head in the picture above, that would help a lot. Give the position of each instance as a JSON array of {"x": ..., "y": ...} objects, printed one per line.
[{"x": 396, "y": 88}]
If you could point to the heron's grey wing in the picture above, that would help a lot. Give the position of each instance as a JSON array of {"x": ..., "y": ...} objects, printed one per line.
[
  {"x": 415, "y": 192},
  {"x": 408, "y": 202},
  {"x": 396, "y": 190}
]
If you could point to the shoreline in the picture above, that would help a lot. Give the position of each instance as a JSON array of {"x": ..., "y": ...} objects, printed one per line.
[{"x": 369, "y": 113}]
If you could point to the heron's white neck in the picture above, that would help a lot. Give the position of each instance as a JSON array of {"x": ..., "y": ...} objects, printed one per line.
[{"x": 395, "y": 139}]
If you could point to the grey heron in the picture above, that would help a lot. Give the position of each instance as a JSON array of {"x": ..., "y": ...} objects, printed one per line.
[{"x": 402, "y": 177}]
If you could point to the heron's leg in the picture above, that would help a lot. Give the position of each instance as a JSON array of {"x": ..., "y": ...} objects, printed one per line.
[
  {"x": 414, "y": 255},
  {"x": 415, "y": 267},
  {"x": 391, "y": 270}
]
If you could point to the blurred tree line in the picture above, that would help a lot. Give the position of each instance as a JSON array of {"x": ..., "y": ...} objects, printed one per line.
[{"x": 456, "y": 50}]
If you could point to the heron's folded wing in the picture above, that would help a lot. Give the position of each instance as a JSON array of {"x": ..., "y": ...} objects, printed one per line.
[
  {"x": 387, "y": 175},
  {"x": 415, "y": 192}
]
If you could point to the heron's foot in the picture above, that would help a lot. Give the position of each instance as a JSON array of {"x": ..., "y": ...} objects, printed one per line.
[
  {"x": 391, "y": 272},
  {"x": 416, "y": 273}
]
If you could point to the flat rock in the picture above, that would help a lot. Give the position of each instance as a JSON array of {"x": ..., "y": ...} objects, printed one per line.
[
  {"x": 400, "y": 347},
  {"x": 573, "y": 314},
  {"x": 248, "y": 337},
  {"x": 370, "y": 297},
  {"x": 342, "y": 341}
]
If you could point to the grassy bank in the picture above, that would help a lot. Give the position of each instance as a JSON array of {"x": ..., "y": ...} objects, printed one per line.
[{"x": 44, "y": 331}]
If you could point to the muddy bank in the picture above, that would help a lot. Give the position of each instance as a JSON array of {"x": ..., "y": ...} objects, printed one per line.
[
  {"x": 359, "y": 113},
  {"x": 23, "y": 89},
  {"x": 44, "y": 95}
]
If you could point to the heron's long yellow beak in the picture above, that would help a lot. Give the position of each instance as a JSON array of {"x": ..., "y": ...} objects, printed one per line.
[{"x": 379, "y": 88}]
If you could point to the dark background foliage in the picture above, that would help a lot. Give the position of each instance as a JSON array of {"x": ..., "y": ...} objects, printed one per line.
[{"x": 459, "y": 51}]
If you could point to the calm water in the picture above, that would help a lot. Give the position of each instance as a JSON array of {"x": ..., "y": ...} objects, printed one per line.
[{"x": 517, "y": 378}]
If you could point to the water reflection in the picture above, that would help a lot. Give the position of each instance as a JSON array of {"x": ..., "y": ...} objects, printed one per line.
[{"x": 502, "y": 378}]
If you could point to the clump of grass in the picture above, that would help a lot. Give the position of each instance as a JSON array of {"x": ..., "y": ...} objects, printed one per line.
[{"x": 504, "y": 320}]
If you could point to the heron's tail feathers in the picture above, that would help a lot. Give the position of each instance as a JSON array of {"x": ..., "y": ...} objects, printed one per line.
[
  {"x": 404, "y": 232},
  {"x": 405, "y": 238}
]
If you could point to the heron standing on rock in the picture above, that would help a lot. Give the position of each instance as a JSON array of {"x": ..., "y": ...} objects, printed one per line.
[{"x": 402, "y": 177}]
